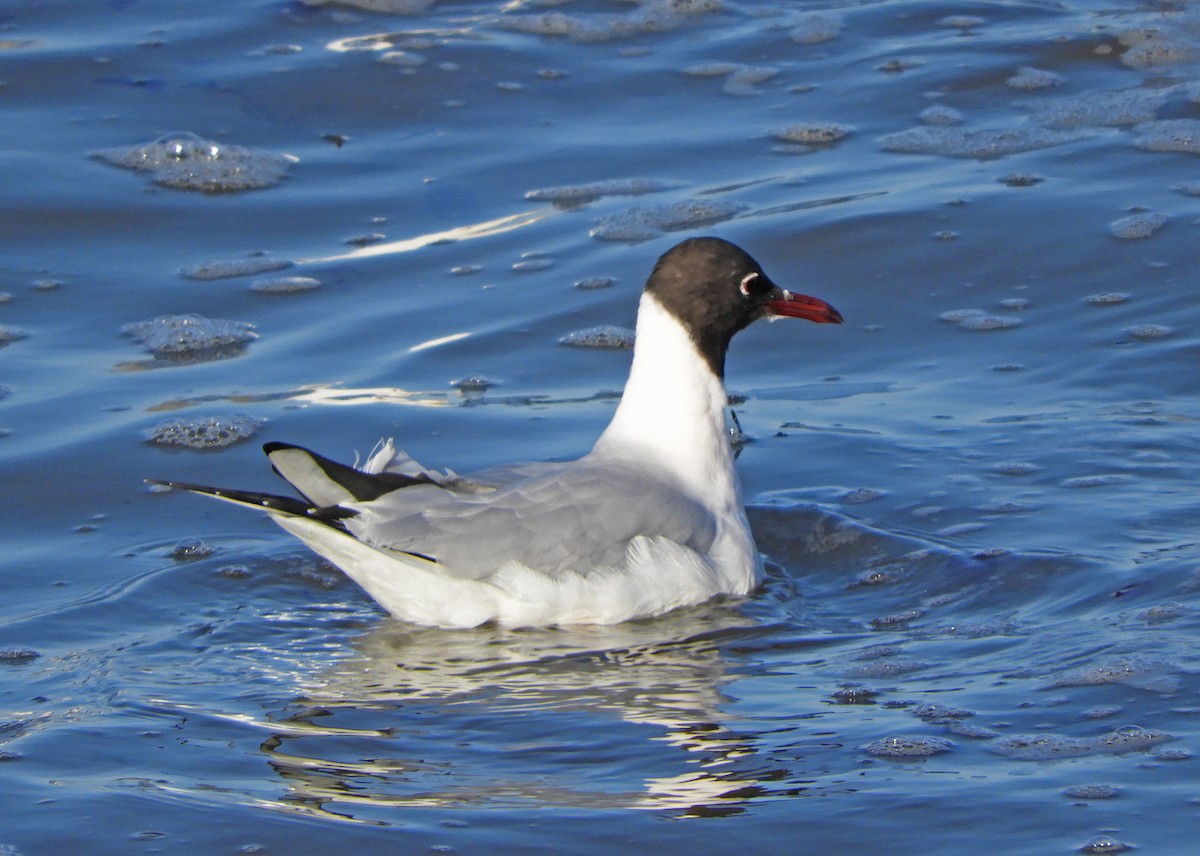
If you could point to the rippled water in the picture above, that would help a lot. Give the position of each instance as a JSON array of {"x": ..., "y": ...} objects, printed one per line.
[{"x": 977, "y": 496}]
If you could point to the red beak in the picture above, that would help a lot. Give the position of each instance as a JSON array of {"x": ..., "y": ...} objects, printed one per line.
[{"x": 802, "y": 306}]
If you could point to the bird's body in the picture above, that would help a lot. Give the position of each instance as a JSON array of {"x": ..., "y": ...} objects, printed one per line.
[{"x": 649, "y": 521}]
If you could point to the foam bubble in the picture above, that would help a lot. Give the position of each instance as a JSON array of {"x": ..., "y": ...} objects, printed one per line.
[
  {"x": 858, "y": 496},
  {"x": 1149, "y": 332},
  {"x": 1151, "y": 47},
  {"x": 815, "y": 27},
  {"x": 904, "y": 746},
  {"x": 473, "y": 384},
  {"x": 188, "y": 335},
  {"x": 1106, "y": 480},
  {"x": 972, "y": 732},
  {"x": 18, "y": 656},
  {"x": 1041, "y": 747},
  {"x": 605, "y": 336},
  {"x": 642, "y": 224},
  {"x": 236, "y": 268},
  {"x": 939, "y": 714},
  {"x": 1015, "y": 468},
  {"x": 854, "y": 694},
  {"x": 387, "y": 7},
  {"x": 961, "y": 22},
  {"x": 650, "y": 16},
  {"x": 1147, "y": 673},
  {"x": 190, "y": 549},
  {"x": 1028, "y": 77},
  {"x": 941, "y": 115},
  {"x": 1092, "y": 792},
  {"x": 889, "y": 668},
  {"x": 403, "y": 59},
  {"x": 1105, "y": 844},
  {"x": 532, "y": 264},
  {"x": 1098, "y": 109},
  {"x": 813, "y": 133},
  {"x": 8, "y": 335},
  {"x": 711, "y": 69},
  {"x": 1107, "y": 298},
  {"x": 1169, "y": 135},
  {"x": 593, "y": 283},
  {"x": 187, "y": 162},
  {"x": 573, "y": 195},
  {"x": 976, "y": 320},
  {"x": 286, "y": 285},
  {"x": 1142, "y": 224},
  {"x": 204, "y": 432},
  {"x": 745, "y": 80},
  {"x": 980, "y": 144}
]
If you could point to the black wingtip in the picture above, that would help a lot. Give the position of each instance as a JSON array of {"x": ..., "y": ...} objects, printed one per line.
[{"x": 331, "y": 515}]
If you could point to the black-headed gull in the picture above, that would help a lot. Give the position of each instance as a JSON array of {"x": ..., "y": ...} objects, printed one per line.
[{"x": 648, "y": 521}]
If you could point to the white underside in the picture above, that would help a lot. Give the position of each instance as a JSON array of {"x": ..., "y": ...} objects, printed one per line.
[{"x": 658, "y": 576}]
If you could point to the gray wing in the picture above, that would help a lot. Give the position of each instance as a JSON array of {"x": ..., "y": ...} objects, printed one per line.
[{"x": 553, "y": 518}]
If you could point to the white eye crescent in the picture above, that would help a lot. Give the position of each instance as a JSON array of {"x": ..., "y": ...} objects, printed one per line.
[{"x": 747, "y": 281}]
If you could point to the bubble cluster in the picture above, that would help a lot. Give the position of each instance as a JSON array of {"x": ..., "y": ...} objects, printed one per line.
[
  {"x": 1097, "y": 109},
  {"x": 1148, "y": 673},
  {"x": 861, "y": 495},
  {"x": 1092, "y": 792},
  {"x": 1151, "y": 47},
  {"x": 286, "y": 285},
  {"x": 388, "y": 7},
  {"x": 1046, "y": 747},
  {"x": 812, "y": 28},
  {"x": 1107, "y": 298},
  {"x": 978, "y": 320},
  {"x": 187, "y": 162},
  {"x": 903, "y": 746},
  {"x": 981, "y": 144},
  {"x": 18, "y": 656},
  {"x": 1105, "y": 480},
  {"x": 573, "y": 195},
  {"x": 813, "y": 133},
  {"x": 204, "y": 432},
  {"x": 593, "y": 283},
  {"x": 235, "y": 268},
  {"x": 650, "y": 16},
  {"x": 941, "y": 115},
  {"x": 1142, "y": 224},
  {"x": 605, "y": 336},
  {"x": 8, "y": 335},
  {"x": 1028, "y": 77},
  {"x": 1149, "y": 332},
  {"x": 189, "y": 335},
  {"x": 939, "y": 714},
  {"x": 642, "y": 224},
  {"x": 1169, "y": 135}
]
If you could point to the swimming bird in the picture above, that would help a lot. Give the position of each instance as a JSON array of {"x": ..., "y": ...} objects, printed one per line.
[{"x": 648, "y": 521}]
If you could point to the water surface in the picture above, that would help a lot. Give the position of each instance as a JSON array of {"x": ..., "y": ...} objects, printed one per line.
[{"x": 976, "y": 496}]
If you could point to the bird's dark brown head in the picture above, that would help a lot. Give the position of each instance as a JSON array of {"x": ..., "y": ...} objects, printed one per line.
[{"x": 716, "y": 289}]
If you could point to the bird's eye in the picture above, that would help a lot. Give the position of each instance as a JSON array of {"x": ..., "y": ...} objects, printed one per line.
[{"x": 748, "y": 283}]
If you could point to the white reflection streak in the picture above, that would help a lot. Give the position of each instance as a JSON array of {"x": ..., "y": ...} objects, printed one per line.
[
  {"x": 459, "y": 233},
  {"x": 441, "y": 340},
  {"x": 366, "y": 395}
]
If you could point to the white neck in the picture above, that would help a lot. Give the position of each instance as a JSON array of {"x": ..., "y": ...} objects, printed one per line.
[{"x": 673, "y": 411}]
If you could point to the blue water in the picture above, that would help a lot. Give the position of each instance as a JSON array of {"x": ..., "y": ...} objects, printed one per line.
[{"x": 993, "y": 512}]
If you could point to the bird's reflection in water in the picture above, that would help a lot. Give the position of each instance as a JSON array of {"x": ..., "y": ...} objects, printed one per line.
[{"x": 457, "y": 718}]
